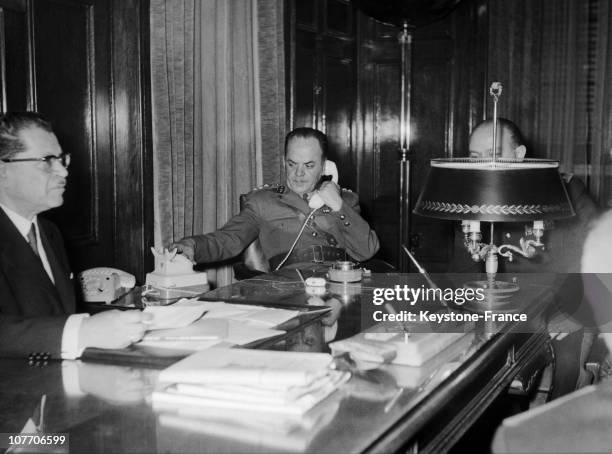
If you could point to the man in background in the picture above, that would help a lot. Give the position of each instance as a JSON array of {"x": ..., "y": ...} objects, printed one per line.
[
  {"x": 284, "y": 221},
  {"x": 563, "y": 238},
  {"x": 563, "y": 241},
  {"x": 37, "y": 301},
  {"x": 509, "y": 144}
]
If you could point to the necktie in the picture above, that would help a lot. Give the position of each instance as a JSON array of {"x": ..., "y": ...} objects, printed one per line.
[{"x": 32, "y": 239}]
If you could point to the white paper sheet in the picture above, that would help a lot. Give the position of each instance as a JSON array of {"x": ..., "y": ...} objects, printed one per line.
[
  {"x": 165, "y": 317},
  {"x": 241, "y": 333},
  {"x": 254, "y": 315}
]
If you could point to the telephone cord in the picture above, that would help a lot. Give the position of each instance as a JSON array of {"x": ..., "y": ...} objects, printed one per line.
[{"x": 295, "y": 241}]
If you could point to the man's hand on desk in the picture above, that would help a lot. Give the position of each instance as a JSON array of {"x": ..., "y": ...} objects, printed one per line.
[
  {"x": 186, "y": 247},
  {"x": 113, "y": 329}
]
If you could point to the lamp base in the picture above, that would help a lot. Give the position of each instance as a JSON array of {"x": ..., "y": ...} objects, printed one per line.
[{"x": 497, "y": 295}]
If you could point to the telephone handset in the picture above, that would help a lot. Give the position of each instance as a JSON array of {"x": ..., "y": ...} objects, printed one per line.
[
  {"x": 105, "y": 284},
  {"x": 330, "y": 173}
]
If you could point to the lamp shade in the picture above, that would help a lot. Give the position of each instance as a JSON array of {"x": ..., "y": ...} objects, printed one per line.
[
  {"x": 503, "y": 190},
  {"x": 415, "y": 13}
]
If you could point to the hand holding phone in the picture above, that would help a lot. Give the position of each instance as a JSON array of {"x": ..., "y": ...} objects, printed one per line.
[
  {"x": 328, "y": 184},
  {"x": 315, "y": 201},
  {"x": 329, "y": 194}
]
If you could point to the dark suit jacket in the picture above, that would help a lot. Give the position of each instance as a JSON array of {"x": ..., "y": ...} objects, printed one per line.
[{"x": 33, "y": 310}]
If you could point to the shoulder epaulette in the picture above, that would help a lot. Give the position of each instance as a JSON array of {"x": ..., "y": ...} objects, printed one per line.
[{"x": 278, "y": 188}]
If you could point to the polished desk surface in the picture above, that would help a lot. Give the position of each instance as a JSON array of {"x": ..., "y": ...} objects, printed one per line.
[{"x": 383, "y": 410}]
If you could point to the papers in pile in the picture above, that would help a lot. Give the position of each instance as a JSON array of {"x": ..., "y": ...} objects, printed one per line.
[
  {"x": 258, "y": 397},
  {"x": 289, "y": 383},
  {"x": 239, "y": 430}
]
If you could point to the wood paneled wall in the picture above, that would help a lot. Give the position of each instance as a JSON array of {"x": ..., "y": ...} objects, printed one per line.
[
  {"x": 84, "y": 65},
  {"x": 345, "y": 80}
]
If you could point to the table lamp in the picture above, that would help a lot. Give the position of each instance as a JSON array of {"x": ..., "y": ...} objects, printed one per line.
[{"x": 494, "y": 190}]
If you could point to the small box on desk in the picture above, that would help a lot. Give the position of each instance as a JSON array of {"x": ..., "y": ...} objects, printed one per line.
[
  {"x": 168, "y": 288},
  {"x": 410, "y": 349},
  {"x": 192, "y": 279}
]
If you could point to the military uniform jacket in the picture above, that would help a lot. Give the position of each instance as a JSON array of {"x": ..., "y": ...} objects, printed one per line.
[
  {"x": 275, "y": 216},
  {"x": 33, "y": 310}
]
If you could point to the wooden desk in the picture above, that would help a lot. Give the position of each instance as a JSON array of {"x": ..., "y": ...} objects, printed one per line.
[{"x": 430, "y": 415}]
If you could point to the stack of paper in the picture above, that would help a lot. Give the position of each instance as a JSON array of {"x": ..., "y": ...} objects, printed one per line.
[
  {"x": 242, "y": 431},
  {"x": 288, "y": 383}
]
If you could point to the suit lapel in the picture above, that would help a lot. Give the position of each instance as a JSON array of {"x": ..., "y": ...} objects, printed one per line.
[
  {"x": 23, "y": 267},
  {"x": 61, "y": 271}
]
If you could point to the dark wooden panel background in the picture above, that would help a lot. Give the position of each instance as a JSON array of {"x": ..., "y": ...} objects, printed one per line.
[
  {"x": 345, "y": 80},
  {"x": 84, "y": 65}
]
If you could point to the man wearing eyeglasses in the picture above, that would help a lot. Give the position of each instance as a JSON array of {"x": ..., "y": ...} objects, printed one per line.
[{"x": 37, "y": 302}]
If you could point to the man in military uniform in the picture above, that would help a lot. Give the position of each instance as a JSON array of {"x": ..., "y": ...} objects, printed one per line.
[{"x": 281, "y": 215}]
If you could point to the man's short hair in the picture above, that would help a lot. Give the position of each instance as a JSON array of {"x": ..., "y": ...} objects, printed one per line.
[
  {"x": 308, "y": 133},
  {"x": 11, "y": 124},
  {"x": 516, "y": 138}
]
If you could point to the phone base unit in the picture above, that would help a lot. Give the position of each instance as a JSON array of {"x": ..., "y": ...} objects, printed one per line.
[
  {"x": 174, "y": 277},
  {"x": 105, "y": 284},
  {"x": 178, "y": 285}
]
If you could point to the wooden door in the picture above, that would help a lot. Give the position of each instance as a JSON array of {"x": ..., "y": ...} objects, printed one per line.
[{"x": 84, "y": 65}]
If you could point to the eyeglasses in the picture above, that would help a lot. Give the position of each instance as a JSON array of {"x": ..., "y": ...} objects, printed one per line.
[{"x": 63, "y": 159}]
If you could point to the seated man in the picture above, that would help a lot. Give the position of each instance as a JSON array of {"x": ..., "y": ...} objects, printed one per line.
[
  {"x": 563, "y": 241},
  {"x": 509, "y": 140},
  {"x": 36, "y": 292},
  {"x": 278, "y": 215},
  {"x": 563, "y": 238}
]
